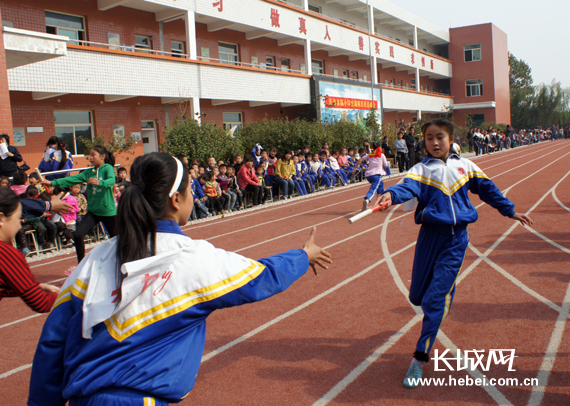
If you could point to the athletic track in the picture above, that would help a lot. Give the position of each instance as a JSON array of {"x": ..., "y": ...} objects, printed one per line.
[{"x": 346, "y": 337}]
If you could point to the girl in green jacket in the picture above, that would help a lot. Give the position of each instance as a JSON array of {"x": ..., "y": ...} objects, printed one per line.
[{"x": 100, "y": 201}]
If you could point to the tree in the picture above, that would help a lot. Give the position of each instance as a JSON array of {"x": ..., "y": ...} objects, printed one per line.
[{"x": 519, "y": 74}]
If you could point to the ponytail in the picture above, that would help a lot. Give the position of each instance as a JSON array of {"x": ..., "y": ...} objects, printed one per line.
[
  {"x": 61, "y": 146},
  {"x": 109, "y": 157},
  {"x": 142, "y": 204}
]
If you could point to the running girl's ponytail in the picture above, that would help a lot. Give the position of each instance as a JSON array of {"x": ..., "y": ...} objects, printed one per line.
[
  {"x": 154, "y": 179},
  {"x": 61, "y": 146},
  {"x": 109, "y": 157}
]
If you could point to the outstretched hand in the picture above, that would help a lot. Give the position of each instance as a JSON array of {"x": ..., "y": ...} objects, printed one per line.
[
  {"x": 384, "y": 198},
  {"x": 59, "y": 206},
  {"x": 523, "y": 219},
  {"x": 317, "y": 255}
]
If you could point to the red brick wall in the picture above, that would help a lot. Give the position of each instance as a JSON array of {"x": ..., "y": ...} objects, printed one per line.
[
  {"x": 214, "y": 114},
  {"x": 119, "y": 20},
  {"x": 501, "y": 76},
  {"x": 5, "y": 111},
  {"x": 129, "y": 113}
]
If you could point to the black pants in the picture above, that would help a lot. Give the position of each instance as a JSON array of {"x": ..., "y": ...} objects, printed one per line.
[
  {"x": 89, "y": 221},
  {"x": 62, "y": 230},
  {"x": 402, "y": 161},
  {"x": 215, "y": 204},
  {"x": 256, "y": 190},
  {"x": 46, "y": 231},
  {"x": 411, "y": 157}
]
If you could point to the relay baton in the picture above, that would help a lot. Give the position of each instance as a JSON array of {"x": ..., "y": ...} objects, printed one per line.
[
  {"x": 40, "y": 175},
  {"x": 368, "y": 212}
]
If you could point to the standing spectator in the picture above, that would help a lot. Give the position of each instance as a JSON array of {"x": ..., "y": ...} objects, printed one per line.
[
  {"x": 411, "y": 144},
  {"x": 470, "y": 139},
  {"x": 402, "y": 150},
  {"x": 247, "y": 179},
  {"x": 285, "y": 171},
  {"x": 56, "y": 158},
  {"x": 9, "y": 160},
  {"x": 271, "y": 164}
]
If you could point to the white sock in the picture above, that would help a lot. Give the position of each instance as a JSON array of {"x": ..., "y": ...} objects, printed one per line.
[{"x": 418, "y": 362}]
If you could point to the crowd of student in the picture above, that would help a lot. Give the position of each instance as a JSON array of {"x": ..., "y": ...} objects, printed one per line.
[{"x": 492, "y": 140}]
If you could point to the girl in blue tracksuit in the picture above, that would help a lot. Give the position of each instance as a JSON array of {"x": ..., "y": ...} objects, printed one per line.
[
  {"x": 298, "y": 178},
  {"x": 129, "y": 325},
  {"x": 309, "y": 174},
  {"x": 441, "y": 183},
  {"x": 56, "y": 158}
]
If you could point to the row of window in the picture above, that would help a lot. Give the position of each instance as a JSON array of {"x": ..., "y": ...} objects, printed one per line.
[{"x": 75, "y": 126}]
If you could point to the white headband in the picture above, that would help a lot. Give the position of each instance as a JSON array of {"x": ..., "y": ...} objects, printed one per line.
[{"x": 179, "y": 173}]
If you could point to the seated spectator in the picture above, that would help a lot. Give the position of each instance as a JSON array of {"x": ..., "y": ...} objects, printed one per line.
[
  {"x": 45, "y": 229},
  {"x": 333, "y": 159},
  {"x": 34, "y": 180},
  {"x": 298, "y": 177},
  {"x": 317, "y": 168},
  {"x": 116, "y": 194},
  {"x": 247, "y": 180},
  {"x": 5, "y": 182},
  {"x": 199, "y": 210},
  {"x": 260, "y": 173},
  {"x": 307, "y": 172},
  {"x": 66, "y": 223},
  {"x": 284, "y": 172},
  {"x": 325, "y": 149},
  {"x": 222, "y": 194},
  {"x": 210, "y": 187},
  {"x": 271, "y": 165},
  {"x": 225, "y": 185},
  {"x": 220, "y": 162},
  {"x": 238, "y": 162},
  {"x": 326, "y": 169},
  {"x": 211, "y": 164},
  {"x": 20, "y": 183},
  {"x": 233, "y": 184}
]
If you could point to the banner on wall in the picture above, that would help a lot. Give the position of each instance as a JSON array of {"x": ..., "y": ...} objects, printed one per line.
[{"x": 347, "y": 102}]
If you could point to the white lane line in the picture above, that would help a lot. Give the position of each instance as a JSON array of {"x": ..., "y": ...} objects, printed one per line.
[
  {"x": 559, "y": 202},
  {"x": 356, "y": 372},
  {"x": 259, "y": 329},
  {"x": 548, "y": 240},
  {"x": 13, "y": 371},
  {"x": 514, "y": 280},
  {"x": 24, "y": 319},
  {"x": 551, "y": 352},
  {"x": 475, "y": 373}
]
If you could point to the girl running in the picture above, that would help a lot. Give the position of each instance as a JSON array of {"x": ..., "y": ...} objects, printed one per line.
[
  {"x": 101, "y": 202},
  {"x": 441, "y": 183},
  {"x": 129, "y": 325},
  {"x": 378, "y": 167}
]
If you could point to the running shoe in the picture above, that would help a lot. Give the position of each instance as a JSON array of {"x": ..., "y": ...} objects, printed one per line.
[
  {"x": 411, "y": 380},
  {"x": 365, "y": 204}
]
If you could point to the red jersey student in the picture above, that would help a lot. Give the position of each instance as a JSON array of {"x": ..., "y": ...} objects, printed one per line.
[{"x": 16, "y": 279}]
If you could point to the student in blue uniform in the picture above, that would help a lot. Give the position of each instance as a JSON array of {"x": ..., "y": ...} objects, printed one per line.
[
  {"x": 129, "y": 325},
  {"x": 441, "y": 183}
]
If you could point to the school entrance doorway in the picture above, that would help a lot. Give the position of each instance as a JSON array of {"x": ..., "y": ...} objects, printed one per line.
[{"x": 149, "y": 138}]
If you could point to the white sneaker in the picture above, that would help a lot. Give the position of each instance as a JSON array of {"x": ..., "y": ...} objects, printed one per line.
[{"x": 365, "y": 205}]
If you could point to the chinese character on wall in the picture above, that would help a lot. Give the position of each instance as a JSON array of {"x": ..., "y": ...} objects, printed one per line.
[
  {"x": 219, "y": 4},
  {"x": 377, "y": 44},
  {"x": 275, "y": 18},
  {"x": 431, "y": 64},
  {"x": 413, "y": 59},
  {"x": 302, "y": 26},
  {"x": 391, "y": 51},
  {"x": 361, "y": 43},
  {"x": 423, "y": 61},
  {"x": 327, "y": 35}
]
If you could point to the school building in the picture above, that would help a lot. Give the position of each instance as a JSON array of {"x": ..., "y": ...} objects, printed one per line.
[{"x": 90, "y": 68}]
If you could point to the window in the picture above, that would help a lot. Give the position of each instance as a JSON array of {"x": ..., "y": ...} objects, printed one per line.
[
  {"x": 285, "y": 65},
  {"x": 255, "y": 62},
  {"x": 365, "y": 78},
  {"x": 205, "y": 53},
  {"x": 413, "y": 83},
  {"x": 400, "y": 83},
  {"x": 315, "y": 9},
  {"x": 345, "y": 73},
  {"x": 411, "y": 42},
  {"x": 7, "y": 23},
  {"x": 472, "y": 52},
  {"x": 177, "y": 48},
  {"x": 67, "y": 25},
  {"x": 142, "y": 44},
  {"x": 355, "y": 75},
  {"x": 406, "y": 85},
  {"x": 317, "y": 66},
  {"x": 474, "y": 87},
  {"x": 72, "y": 127},
  {"x": 335, "y": 73},
  {"x": 270, "y": 62},
  {"x": 114, "y": 41},
  {"x": 233, "y": 120},
  {"x": 303, "y": 68},
  {"x": 228, "y": 53}
]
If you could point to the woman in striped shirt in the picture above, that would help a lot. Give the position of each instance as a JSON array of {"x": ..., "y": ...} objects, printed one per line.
[{"x": 16, "y": 279}]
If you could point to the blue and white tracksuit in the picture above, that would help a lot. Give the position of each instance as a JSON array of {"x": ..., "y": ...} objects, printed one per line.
[
  {"x": 199, "y": 208},
  {"x": 309, "y": 176},
  {"x": 299, "y": 183},
  {"x": 444, "y": 211},
  {"x": 147, "y": 348}
]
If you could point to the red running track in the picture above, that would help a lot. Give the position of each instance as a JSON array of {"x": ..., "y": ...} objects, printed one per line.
[{"x": 346, "y": 336}]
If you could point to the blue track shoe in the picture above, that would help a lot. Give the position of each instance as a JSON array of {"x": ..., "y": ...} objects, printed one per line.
[{"x": 413, "y": 376}]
